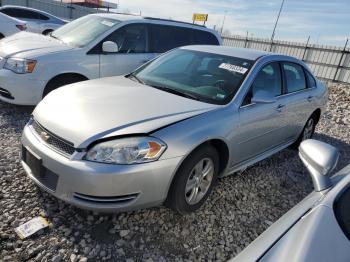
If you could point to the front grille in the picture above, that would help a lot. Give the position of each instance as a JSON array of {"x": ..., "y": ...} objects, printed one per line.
[
  {"x": 55, "y": 142},
  {"x": 125, "y": 199},
  {"x": 5, "y": 93}
]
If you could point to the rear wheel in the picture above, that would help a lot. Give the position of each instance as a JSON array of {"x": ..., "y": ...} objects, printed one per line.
[
  {"x": 61, "y": 81},
  {"x": 308, "y": 131},
  {"x": 194, "y": 180}
]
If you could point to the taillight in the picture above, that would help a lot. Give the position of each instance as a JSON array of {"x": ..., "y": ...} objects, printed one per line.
[{"x": 21, "y": 27}]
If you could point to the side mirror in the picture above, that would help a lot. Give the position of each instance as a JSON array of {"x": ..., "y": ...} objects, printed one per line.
[
  {"x": 320, "y": 159},
  {"x": 110, "y": 47},
  {"x": 263, "y": 97}
]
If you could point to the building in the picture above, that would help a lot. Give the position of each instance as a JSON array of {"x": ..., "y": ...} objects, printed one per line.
[{"x": 92, "y": 3}]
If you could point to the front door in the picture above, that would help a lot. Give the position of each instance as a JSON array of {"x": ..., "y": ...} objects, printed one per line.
[
  {"x": 261, "y": 125},
  {"x": 132, "y": 41}
]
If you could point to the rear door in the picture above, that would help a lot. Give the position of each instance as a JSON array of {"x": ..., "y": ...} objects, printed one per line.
[
  {"x": 298, "y": 98},
  {"x": 132, "y": 41}
]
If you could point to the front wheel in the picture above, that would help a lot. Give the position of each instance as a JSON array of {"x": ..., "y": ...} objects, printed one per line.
[{"x": 194, "y": 180}]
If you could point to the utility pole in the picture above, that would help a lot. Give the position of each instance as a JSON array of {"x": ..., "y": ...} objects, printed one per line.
[
  {"x": 274, "y": 28},
  {"x": 223, "y": 23}
]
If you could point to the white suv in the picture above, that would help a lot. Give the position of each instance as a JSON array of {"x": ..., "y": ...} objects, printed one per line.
[{"x": 93, "y": 46}]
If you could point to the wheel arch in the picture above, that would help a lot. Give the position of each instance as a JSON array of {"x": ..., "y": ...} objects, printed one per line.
[
  {"x": 57, "y": 77},
  {"x": 47, "y": 31},
  {"x": 223, "y": 153}
]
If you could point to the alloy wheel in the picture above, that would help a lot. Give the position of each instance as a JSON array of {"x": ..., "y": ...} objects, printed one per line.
[{"x": 199, "y": 181}]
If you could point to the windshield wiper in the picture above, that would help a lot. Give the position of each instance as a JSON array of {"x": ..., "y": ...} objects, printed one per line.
[
  {"x": 176, "y": 92},
  {"x": 136, "y": 78}
]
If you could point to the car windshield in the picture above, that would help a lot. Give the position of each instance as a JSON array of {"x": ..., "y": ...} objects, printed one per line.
[
  {"x": 82, "y": 31},
  {"x": 202, "y": 76}
]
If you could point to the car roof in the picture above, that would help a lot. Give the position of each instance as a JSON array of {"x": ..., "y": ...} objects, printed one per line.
[
  {"x": 245, "y": 53},
  {"x": 129, "y": 17}
]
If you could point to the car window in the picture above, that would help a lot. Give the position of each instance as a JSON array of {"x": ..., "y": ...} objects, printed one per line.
[
  {"x": 295, "y": 77},
  {"x": 13, "y": 12},
  {"x": 130, "y": 38},
  {"x": 311, "y": 80},
  {"x": 268, "y": 79},
  {"x": 164, "y": 38},
  {"x": 42, "y": 17},
  {"x": 205, "y": 38},
  {"x": 178, "y": 65},
  {"x": 342, "y": 211},
  {"x": 217, "y": 82},
  {"x": 20, "y": 13},
  {"x": 83, "y": 30}
]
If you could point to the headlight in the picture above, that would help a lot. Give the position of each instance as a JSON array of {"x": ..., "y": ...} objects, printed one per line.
[
  {"x": 20, "y": 65},
  {"x": 125, "y": 151}
]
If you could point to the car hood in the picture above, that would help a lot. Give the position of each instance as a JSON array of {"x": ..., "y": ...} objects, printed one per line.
[
  {"x": 28, "y": 45},
  {"x": 84, "y": 112}
]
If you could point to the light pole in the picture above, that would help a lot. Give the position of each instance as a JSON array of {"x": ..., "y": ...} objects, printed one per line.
[
  {"x": 274, "y": 28},
  {"x": 223, "y": 23}
]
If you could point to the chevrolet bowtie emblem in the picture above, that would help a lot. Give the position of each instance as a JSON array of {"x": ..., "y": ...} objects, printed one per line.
[{"x": 44, "y": 136}]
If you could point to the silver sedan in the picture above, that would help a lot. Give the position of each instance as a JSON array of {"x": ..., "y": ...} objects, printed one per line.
[{"x": 164, "y": 133}]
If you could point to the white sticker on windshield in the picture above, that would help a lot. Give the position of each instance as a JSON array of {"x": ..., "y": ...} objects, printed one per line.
[
  {"x": 107, "y": 23},
  {"x": 233, "y": 68}
]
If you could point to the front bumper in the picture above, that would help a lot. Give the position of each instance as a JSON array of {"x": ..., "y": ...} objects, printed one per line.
[
  {"x": 101, "y": 187},
  {"x": 23, "y": 88}
]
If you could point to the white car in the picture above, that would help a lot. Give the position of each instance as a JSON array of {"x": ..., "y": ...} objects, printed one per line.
[
  {"x": 37, "y": 21},
  {"x": 10, "y": 26},
  {"x": 94, "y": 46}
]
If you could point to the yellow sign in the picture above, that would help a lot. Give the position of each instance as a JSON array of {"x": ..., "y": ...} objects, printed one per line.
[{"x": 200, "y": 17}]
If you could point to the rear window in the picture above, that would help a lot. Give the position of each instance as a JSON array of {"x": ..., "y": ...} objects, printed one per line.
[
  {"x": 164, "y": 38},
  {"x": 24, "y": 14}
]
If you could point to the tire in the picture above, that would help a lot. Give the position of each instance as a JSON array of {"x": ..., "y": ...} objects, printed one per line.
[
  {"x": 61, "y": 81},
  {"x": 2, "y": 36},
  {"x": 308, "y": 131},
  {"x": 48, "y": 31},
  {"x": 198, "y": 189}
]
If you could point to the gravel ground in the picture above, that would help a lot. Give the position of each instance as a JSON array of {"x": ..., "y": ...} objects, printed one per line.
[{"x": 241, "y": 207}]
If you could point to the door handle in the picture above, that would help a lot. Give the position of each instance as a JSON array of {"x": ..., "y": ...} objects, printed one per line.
[
  {"x": 280, "y": 107},
  {"x": 309, "y": 98}
]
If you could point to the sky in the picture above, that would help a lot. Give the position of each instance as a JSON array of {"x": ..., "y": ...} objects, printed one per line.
[{"x": 325, "y": 21}]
